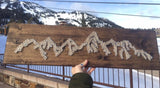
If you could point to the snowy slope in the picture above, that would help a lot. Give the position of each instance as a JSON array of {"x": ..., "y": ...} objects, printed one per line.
[
  {"x": 26, "y": 11},
  {"x": 3, "y": 40}
]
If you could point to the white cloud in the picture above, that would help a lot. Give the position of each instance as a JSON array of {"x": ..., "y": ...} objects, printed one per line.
[
  {"x": 136, "y": 22},
  {"x": 125, "y": 21},
  {"x": 153, "y": 1},
  {"x": 83, "y": 7},
  {"x": 47, "y": 3},
  {"x": 79, "y": 6}
]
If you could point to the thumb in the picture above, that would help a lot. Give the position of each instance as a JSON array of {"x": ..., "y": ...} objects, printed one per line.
[{"x": 84, "y": 63}]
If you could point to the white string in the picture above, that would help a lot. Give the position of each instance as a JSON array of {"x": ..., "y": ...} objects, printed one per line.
[{"x": 91, "y": 43}]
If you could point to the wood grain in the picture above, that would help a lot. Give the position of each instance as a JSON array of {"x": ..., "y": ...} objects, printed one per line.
[{"x": 141, "y": 39}]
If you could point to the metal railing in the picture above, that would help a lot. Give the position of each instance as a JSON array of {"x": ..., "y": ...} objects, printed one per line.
[
  {"x": 102, "y": 77},
  {"x": 3, "y": 30},
  {"x": 1, "y": 58}
]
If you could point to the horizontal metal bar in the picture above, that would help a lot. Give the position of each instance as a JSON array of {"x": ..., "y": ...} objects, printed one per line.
[
  {"x": 16, "y": 66},
  {"x": 50, "y": 73},
  {"x": 64, "y": 76},
  {"x": 109, "y": 85},
  {"x": 40, "y": 71}
]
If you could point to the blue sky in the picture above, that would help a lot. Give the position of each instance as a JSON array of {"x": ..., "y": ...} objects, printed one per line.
[{"x": 125, "y": 21}]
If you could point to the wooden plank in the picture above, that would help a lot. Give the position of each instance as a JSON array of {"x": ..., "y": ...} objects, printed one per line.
[{"x": 138, "y": 39}]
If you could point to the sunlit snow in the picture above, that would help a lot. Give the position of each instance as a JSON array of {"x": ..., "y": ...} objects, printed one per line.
[
  {"x": 3, "y": 5},
  {"x": 48, "y": 20},
  {"x": 27, "y": 10}
]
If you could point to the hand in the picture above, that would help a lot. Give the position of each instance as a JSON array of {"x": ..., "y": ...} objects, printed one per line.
[{"x": 80, "y": 68}]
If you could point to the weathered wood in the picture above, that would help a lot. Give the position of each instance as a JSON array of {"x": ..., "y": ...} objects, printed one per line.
[
  {"x": 140, "y": 39},
  {"x": 157, "y": 33}
]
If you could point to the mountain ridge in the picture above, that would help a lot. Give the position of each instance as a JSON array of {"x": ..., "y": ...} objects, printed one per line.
[{"x": 29, "y": 12}]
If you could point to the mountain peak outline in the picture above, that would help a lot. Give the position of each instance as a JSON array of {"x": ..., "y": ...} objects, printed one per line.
[{"x": 33, "y": 13}]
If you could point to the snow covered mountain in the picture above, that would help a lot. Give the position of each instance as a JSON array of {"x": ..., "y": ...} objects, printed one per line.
[{"x": 29, "y": 12}]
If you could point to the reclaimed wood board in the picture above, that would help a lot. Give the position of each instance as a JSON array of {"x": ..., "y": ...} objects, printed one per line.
[{"x": 142, "y": 40}]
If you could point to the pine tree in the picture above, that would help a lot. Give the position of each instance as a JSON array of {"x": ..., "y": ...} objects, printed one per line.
[{"x": 83, "y": 21}]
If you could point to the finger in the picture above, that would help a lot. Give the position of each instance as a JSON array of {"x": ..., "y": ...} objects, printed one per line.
[
  {"x": 84, "y": 63},
  {"x": 86, "y": 69},
  {"x": 91, "y": 70}
]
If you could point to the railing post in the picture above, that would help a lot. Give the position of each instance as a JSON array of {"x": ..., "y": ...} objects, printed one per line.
[
  {"x": 28, "y": 68},
  {"x": 131, "y": 78},
  {"x": 63, "y": 73},
  {"x": 5, "y": 65},
  {"x": 5, "y": 33}
]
